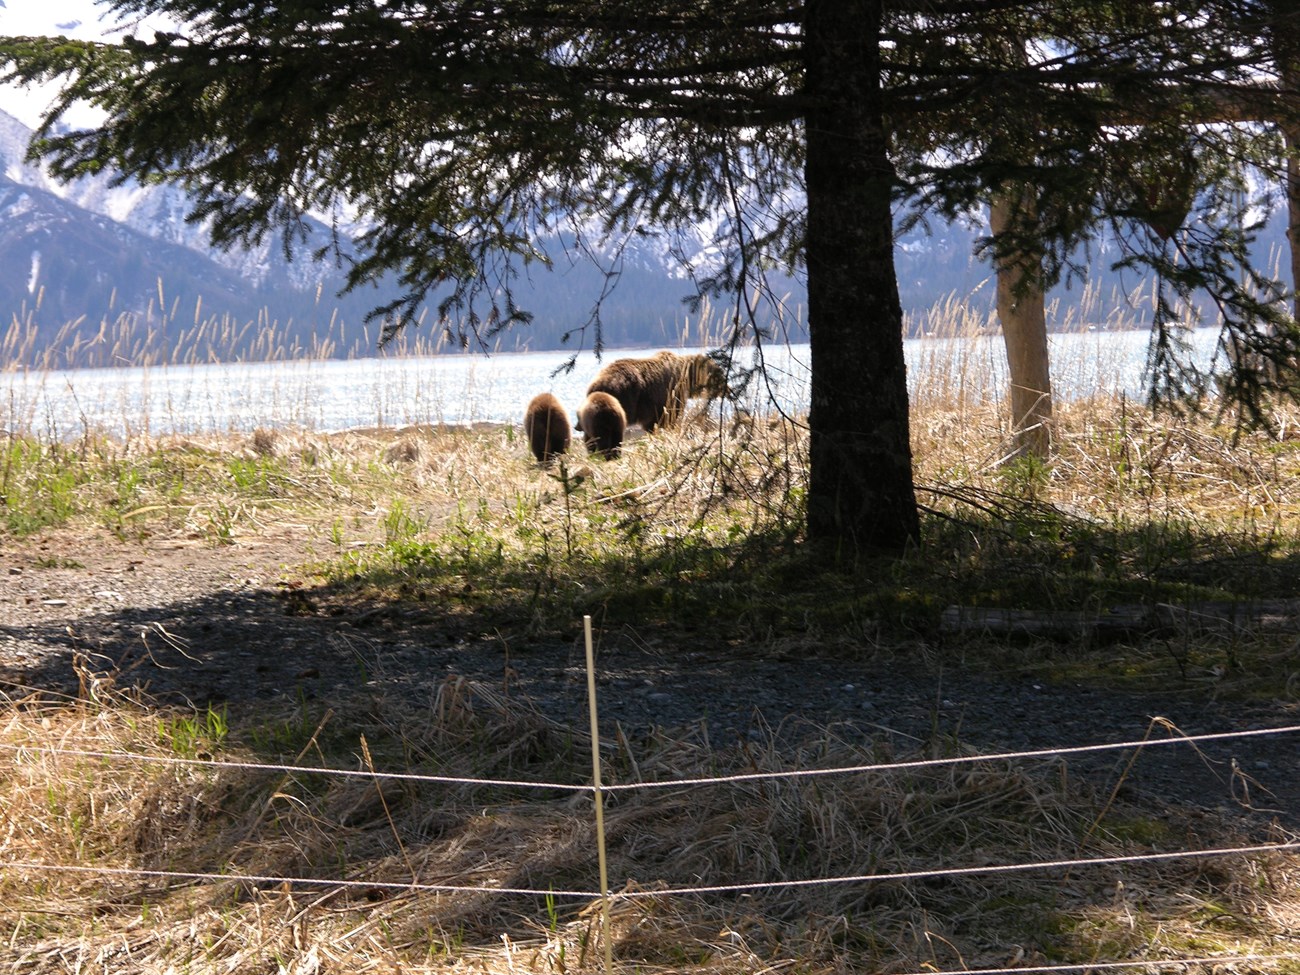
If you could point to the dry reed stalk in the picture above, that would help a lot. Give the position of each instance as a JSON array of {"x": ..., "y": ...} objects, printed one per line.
[
  {"x": 689, "y": 487},
  {"x": 1112, "y": 458},
  {"x": 64, "y": 809}
]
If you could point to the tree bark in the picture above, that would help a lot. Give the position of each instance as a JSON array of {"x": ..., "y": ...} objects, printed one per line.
[
  {"x": 861, "y": 496},
  {"x": 1292, "y": 132},
  {"x": 1286, "y": 50},
  {"x": 1024, "y": 326}
]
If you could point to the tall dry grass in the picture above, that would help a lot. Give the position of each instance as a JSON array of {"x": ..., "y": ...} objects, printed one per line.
[
  {"x": 165, "y": 334},
  {"x": 418, "y": 496},
  {"x": 118, "y": 858},
  {"x": 98, "y": 851}
]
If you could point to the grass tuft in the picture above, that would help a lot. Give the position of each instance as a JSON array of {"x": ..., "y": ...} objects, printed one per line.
[
  {"x": 231, "y": 820},
  {"x": 697, "y": 537}
]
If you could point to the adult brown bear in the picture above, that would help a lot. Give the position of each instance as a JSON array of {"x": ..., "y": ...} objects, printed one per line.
[
  {"x": 547, "y": 427},
  {"x": 653, "y": 392},
  {"x": 602, "y": 422}
]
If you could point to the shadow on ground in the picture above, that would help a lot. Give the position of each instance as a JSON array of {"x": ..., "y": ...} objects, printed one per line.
[{"x": 254, "y": 652}]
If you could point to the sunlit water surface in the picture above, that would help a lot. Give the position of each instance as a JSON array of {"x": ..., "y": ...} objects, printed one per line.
[{"x": 327, "y": 395}]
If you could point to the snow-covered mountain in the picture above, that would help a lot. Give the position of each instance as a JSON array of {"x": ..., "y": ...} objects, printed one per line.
[
  {"x": 157, "y": 212},
  {"x": 89, "y": 252}
]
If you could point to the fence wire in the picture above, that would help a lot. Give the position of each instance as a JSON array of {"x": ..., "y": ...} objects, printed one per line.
[
  {"x": 641, "y": 892},
  {"x": 19, "y": 751},
  {"x": 1112, "y": 966}
]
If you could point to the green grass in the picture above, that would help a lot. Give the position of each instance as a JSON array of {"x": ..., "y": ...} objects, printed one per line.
[
  {"x": 687, "y": 538},
  {"x": 194, "y": 735},
  {"x": 39, "y": 485},
  {"x": 696, "y": 541},
  {"x": 529, "y": 571},
  {"x": 216, "y": 486}
]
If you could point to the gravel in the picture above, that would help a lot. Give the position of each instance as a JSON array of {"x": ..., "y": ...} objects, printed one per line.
[{"x": 197, "y": 624}]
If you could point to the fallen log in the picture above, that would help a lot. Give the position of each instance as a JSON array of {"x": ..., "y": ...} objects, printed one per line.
[{"x": 1119, "y": 622}]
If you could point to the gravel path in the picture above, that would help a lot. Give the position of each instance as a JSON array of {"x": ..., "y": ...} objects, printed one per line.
[{"x": 228, "y": 625}]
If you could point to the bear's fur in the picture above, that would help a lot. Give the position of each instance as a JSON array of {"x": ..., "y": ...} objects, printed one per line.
[
  {"x": 694, "y": 375},
  {"x": 546, "y": 426},
  {"x": 602, "y": 422},
  {"x": 653, "y": 392}
]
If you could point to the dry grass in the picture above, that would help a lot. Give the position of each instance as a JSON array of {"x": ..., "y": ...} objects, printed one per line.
[
  {"x": 165, "y": 334},
  {"x": 438, "y": 496},
  {"x": 697, "y": 529},
  {"x": 127, "y": 814},
  {"x": 1119, "y": 459}
]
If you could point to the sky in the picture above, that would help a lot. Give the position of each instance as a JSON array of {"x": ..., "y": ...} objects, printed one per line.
[{"x": 82, "y": 19}]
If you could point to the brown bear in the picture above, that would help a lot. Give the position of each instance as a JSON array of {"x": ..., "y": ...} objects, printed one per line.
[
  {"x": 693, "y": 375},
  {"x": 602, "y": 422},
  {"x": 653, "y": 392},
  {"x": 546, "y": 426}
]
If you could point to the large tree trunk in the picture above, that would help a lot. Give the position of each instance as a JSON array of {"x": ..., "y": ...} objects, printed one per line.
[
  {"x": 1286, "y": 48},
  {"x": 1291, "y": 131},
  {"x": 860, "y": 494},
  {"x": 1024, "y": 324},
  {"x": 1293, "y": 210}
]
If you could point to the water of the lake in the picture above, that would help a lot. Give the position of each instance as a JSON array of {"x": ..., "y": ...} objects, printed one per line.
[{"x": 328, "y": 395}]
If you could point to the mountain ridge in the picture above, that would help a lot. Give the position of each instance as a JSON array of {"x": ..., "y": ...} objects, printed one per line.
[{"x": 104, "y": 253}]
